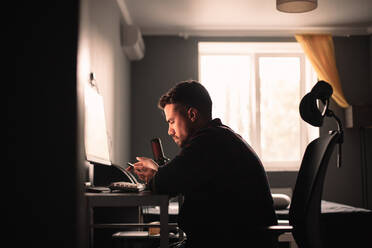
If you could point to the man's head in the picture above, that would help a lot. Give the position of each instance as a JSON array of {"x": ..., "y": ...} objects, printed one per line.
[{"x": 187, "y": 108}]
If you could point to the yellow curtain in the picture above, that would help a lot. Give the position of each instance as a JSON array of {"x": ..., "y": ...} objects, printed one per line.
[{"x": 319, "y": 50}]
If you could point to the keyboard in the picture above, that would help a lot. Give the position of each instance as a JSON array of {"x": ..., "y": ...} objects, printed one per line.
[{"x": 126, "y": 187}]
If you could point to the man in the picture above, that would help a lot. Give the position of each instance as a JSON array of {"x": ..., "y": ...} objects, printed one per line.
[{"x": 227, "y": 199}]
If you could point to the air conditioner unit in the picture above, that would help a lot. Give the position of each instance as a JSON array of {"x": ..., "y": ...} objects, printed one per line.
[{"x": 132, "y": 42}]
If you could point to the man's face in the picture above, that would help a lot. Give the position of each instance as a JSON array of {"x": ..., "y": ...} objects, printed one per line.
[{"x": 180, "y": 125}]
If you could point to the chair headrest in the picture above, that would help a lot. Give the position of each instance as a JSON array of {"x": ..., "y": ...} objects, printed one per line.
[{"x": 309, "y": 110}]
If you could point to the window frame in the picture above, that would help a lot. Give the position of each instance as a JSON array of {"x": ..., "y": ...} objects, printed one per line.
[{"x": 255, "y": 51}]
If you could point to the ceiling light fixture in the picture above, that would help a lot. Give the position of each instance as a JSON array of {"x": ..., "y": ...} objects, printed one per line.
[{"x": 296, "y": 6}]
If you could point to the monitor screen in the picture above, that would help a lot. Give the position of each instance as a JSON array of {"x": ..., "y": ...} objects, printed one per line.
[{"x": 97, "y": 146}]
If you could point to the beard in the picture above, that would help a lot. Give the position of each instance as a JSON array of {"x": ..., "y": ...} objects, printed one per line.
[
  {"x": 178, "y": 141},
  {"x": 182, "y": 141}
]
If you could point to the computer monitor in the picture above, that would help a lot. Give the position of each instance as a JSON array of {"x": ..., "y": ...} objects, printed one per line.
[{"x": 97, "y": 146}]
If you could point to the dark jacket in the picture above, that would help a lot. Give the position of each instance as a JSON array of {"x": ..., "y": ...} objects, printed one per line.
[{"x": 225, "y": 188}]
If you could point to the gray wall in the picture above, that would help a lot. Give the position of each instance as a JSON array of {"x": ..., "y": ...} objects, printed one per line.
[
  {"x": 352, "y": 182},
  {"x": 167, "y": 61},
  {"x": 112, "y": 70},
  {"x": 171, "y": 59}
]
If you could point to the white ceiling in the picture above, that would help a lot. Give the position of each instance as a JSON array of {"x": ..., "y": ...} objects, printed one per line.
[{"x": 245, "y": 17}]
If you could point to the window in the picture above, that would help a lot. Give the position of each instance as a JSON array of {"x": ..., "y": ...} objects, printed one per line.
[{"x": 256, "y": 89}]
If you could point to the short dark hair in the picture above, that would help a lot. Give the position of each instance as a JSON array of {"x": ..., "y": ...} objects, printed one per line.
[{"x": 189, "y": 94}]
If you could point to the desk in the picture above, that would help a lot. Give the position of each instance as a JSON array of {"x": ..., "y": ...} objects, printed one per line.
[{"x": 126, "y": 200}]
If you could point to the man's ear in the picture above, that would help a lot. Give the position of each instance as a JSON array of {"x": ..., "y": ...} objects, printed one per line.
[{"x": 193, "y": 114}]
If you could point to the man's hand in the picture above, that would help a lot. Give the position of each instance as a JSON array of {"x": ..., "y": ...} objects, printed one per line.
[{"x": 145, "y": 168}]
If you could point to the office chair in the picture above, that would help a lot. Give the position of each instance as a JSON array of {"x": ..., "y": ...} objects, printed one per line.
[{"x": 305, "y": 208}]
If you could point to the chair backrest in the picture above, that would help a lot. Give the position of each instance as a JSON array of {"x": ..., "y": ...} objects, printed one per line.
[{"x": 305, "y": 209}]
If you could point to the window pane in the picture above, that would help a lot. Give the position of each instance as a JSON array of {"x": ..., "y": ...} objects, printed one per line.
[
  {"x": 279, "y": 101},
  {"x": 227, "y": 81}
]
